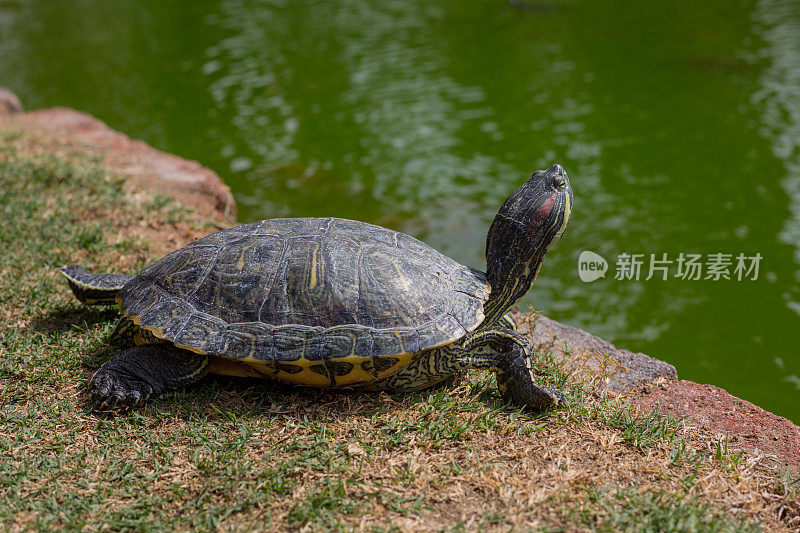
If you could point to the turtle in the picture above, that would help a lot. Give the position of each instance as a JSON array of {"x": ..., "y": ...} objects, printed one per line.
[{"x": 330, "y": 302}]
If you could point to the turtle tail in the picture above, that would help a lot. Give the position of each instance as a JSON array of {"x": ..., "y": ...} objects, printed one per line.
[{"x": 94, "y": 289}]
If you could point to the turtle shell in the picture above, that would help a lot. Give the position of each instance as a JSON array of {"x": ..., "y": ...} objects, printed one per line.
[{"x": 316, "y": 301}]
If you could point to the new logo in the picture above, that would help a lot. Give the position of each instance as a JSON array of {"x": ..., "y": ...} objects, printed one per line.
[{"x": 591, "y": 266}]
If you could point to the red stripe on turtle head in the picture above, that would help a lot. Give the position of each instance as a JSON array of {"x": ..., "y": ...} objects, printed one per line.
[{"x": 540, "y": 215}]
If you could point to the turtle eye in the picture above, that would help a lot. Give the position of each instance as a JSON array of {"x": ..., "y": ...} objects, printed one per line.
[{"x": 560, "y": 183}]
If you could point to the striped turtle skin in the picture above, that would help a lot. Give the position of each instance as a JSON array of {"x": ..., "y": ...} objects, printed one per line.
[{"x": 312, "y": 301}]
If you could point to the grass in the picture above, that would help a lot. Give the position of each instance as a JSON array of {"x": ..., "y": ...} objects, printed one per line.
[
  {"x": 656, "y": 512},
  {"x": 237, "y": 454}
]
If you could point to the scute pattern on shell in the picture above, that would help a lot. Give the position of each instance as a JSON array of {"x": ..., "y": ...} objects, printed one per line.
[{"x": 319, "y": 289}]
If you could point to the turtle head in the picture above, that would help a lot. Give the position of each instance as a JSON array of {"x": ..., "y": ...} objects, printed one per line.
[{"x": 529, "y": 222}]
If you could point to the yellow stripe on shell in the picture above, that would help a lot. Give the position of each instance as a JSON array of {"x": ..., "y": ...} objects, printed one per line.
[{"x": 313, "y": 281}]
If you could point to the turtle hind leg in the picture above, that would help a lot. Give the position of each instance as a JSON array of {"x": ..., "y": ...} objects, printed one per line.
[
  {"x": 94, "y": 289},
  {"x": 133, "y": 376}
]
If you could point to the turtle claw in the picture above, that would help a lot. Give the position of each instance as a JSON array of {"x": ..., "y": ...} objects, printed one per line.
[
  {"x": 116, "y": 400},
  {"x": 101, "y": 391},
  {"x": 111, "y": 394},
  {"x": 559, "y": 397},
  {"x": 517, "y": 384},
  {"x": 109, "y": 403},
  {"x": 135, "y": 398}
]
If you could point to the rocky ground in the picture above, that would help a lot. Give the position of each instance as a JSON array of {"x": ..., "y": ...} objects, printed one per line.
[{"x": 636, "y": 448}]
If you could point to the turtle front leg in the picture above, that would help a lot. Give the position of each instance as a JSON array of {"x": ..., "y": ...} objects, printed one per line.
[
  {"x": 133, "y": 376},
  {"x": 509, "y": 354}
]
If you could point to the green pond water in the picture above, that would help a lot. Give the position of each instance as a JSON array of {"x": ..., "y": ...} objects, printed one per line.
[{"x": 678, "y": 123}]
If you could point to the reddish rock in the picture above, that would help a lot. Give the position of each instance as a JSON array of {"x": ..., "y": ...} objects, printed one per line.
[
  {"x": 718, "y": 412},
  {"x": 188, "y": 181},
  {"x": 9, "y": 103}
]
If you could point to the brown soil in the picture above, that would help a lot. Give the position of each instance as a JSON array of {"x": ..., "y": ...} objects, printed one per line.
[{"x": 718, "y": 412}]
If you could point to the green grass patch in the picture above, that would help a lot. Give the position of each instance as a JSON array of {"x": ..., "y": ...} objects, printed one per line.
[{"x": 615, "y": 509}]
